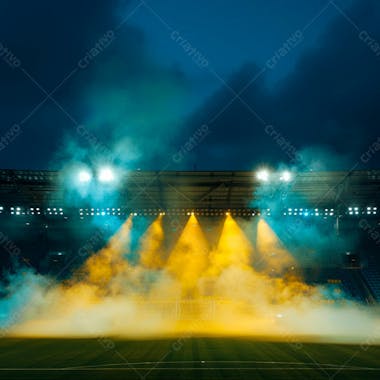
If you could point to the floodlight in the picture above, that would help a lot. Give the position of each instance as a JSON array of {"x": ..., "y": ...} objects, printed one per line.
[
  {"x": 106, "y": 175},
  {"x": 84, "y": 176},
  {"x": 263, "y": 175},
  {"x": 286, "y": 176}
]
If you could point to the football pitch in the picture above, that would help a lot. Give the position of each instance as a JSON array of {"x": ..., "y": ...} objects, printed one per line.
[{"x": 184, "y": 358}]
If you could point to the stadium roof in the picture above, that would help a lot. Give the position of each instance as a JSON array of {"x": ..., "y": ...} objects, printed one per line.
[{"x": 200, "y": 189}]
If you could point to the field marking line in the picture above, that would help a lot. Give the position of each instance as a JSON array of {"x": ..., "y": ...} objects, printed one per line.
[
  {"x": 212, "y": 362},
  {"x": 358, "y": 369}
]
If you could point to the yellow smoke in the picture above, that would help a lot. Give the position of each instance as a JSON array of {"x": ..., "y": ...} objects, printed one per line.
[
  {"x": 194, "y": 291},
  {"x": 189, "y": 257},
  {"x": 234, "y": 249},
  {"x": 271, "y": 251},
  {"x": 151, "y": 252},
  {"x": 109, "y": 263}
]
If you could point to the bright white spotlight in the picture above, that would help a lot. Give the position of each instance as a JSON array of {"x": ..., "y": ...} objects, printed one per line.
[
  {"x": 84, "y": 176},
  {"x": 286, "y": 176},
  {"x": 106, "y": 175},
  {"x": 263, "y": 175}
]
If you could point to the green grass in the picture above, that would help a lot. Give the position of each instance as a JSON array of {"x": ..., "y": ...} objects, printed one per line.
[{"x": 192, "y": 358}]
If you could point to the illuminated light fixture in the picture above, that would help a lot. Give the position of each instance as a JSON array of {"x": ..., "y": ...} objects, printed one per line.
[
  {"x": 106, "y": 175},
  {"x": 263, "y": 175},
  {"x": 286, "y": 176},
  {"x": 84, "y": 176},
  {"x": 227, "y": 213}
]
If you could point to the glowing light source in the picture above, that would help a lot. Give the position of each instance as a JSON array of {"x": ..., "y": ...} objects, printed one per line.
[
  {"x": 286, "y": 176},
  {"x": 106, "y": 175},
  {"x": 263, "y": 175},
  {"x": 84, "y": 176}
]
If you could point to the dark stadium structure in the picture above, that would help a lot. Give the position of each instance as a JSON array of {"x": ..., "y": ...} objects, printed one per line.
[{"x": 44, "y": 227}]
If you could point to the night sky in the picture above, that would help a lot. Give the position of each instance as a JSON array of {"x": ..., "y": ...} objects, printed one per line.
[{"x": 190, "y": 84}]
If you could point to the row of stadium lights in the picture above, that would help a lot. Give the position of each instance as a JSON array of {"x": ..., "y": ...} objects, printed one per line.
[
  {"x": 104, "y": 175},
  {"x": 183, "y": 212},
  {"x": 307, "y": 212},
  {"x": 368, "y": 211},
  {"x": 99, "y": 211},
  {"x": 354, "y": 210},
  {"x": 264, "y": 175},
  {"x": 107, "y": 174},
  {"x": 34, "y": 211}
]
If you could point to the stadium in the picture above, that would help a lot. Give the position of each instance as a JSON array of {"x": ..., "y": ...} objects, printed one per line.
[
  {"x": 189, "y": 190},
  {"x": 186, "y": 270}
]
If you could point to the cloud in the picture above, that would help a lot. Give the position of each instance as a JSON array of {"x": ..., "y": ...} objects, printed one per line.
[
  {"x": 329, "y": 101},
  {"x": 122, "y": 97},
  {"x": 138, "y": 107}
]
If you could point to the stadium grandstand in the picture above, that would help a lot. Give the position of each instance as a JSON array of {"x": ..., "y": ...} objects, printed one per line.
[{"x": 45, "y": 224}]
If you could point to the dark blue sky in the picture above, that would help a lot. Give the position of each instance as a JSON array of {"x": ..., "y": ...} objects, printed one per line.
[{"x": 134, "y": 81}]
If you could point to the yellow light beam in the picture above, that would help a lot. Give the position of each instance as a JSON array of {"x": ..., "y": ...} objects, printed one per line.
[
  {"x": 109, "y": 262},
  {"x": 189, "y": 257},
  {"x": 271, "y": 250},
  {"x": 151, "y": 255},
  {"x": 234, "y": 249}
]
